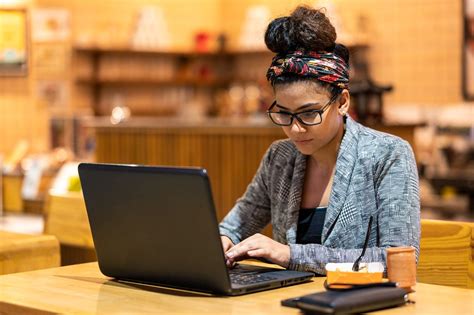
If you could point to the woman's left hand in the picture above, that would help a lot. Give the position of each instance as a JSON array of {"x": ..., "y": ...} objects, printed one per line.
[{"x": 259, "y": 246}]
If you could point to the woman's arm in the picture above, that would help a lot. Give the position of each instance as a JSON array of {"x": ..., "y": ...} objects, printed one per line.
[
  {"x": 251, "y": 213},
  {"x": 398, "y": 215}
]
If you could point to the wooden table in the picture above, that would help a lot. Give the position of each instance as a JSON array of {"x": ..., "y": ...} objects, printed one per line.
[{"x": 82, "y": 289}]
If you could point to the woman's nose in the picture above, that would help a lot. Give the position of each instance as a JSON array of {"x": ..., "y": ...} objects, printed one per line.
[{"x": 297, "y": 127}]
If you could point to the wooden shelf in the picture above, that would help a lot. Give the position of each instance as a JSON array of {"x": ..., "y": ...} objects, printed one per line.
[
  {"x": 161, "y": 82},
  {"x": 141, "y": 71},
  {"x": 187, "y": 53},
  {"x": 167, "y": 53}
]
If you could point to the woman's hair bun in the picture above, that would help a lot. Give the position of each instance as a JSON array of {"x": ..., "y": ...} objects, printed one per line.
[
  {"x": 306, "y": 28},
  {"x": 279, "y": 35},
  {"x": 342, "y": 52}
]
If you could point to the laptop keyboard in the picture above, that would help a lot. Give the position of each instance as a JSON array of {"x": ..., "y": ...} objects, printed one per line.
[{"x": 249, "y": 278}]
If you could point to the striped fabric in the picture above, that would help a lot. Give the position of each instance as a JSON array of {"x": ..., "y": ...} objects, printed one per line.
[{"x": 375, "y": 176}]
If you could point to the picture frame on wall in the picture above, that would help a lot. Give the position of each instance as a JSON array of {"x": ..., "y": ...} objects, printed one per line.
[
  {"x": 468, "y": 50},
  {"x": 50, "y": 25},
  {"x": 13, "y": 42}
]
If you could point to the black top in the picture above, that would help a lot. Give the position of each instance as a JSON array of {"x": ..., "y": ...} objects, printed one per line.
[{"x": 310, "y": 225}]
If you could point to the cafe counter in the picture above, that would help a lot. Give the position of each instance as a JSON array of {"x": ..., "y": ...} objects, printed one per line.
[{"x": 230, "y": 149}]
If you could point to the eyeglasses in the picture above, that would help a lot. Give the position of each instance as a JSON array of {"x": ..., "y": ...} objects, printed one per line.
[{"x": 310, "y": 117}]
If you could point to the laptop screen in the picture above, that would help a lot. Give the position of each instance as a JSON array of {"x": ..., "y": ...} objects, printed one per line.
[{"x": 155, "y": 224}]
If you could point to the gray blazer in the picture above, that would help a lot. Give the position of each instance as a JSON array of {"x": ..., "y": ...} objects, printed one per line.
[{"x": 376, "y": 175}]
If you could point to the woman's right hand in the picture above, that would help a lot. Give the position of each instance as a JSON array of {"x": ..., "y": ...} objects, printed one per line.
[{"x": 226, "y": 243}]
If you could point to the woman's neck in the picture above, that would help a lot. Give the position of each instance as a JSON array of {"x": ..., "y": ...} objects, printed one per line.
[{"x": 326, "y": 157}]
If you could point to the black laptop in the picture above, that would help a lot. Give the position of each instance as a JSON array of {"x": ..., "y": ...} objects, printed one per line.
[{"x": 158, "y": 225}]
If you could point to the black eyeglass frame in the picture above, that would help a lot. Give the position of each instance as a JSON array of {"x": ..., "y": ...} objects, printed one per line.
[{"x": 295, "y": 115}]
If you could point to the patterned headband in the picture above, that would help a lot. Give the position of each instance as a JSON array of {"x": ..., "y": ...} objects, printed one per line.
[{"x": 323, "y": 66}]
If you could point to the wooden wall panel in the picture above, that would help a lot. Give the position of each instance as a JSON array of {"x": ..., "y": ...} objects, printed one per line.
[{"x": 231, "y": 156}]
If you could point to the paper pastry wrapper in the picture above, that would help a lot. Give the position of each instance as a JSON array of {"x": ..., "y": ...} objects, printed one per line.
[{"x": 342, "y": 273}]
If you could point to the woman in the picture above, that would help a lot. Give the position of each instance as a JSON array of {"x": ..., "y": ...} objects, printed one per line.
[{"x": 320, "y": 187}]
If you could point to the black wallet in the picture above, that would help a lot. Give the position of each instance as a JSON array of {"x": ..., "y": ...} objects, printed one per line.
[{"x": 349, "y": 301}]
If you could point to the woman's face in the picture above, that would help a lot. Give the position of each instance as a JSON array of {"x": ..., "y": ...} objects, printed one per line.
[{"x": 298, "y": 96}]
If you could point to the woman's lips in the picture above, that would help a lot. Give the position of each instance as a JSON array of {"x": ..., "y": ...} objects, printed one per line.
[{"x": 303, "y": 141}]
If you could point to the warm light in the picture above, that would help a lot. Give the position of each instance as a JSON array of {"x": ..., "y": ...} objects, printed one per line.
[
  {"x": 5, "y": 3},
  {"x": 119, "y": 114}
]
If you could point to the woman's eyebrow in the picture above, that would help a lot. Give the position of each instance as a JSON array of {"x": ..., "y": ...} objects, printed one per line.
[{"x": 299, "y": 108}]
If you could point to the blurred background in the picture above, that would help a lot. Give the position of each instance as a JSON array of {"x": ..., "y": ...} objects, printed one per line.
[{"x": 182, "y": 82}]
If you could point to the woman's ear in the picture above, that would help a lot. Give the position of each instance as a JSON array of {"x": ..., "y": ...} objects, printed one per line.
[{"x": 344, "y": 102}]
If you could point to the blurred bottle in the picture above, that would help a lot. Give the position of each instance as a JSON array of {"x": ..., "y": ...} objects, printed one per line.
[{"x": 201, "y": 41}]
